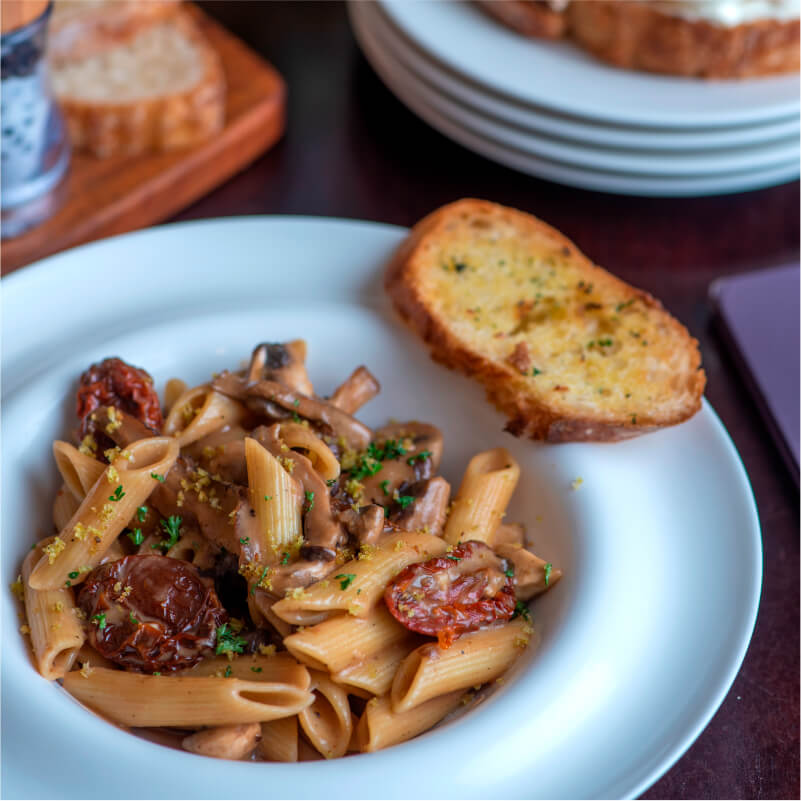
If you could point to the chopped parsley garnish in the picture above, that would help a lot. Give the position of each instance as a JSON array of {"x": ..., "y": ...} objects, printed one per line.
[
  {"x": 228, "y": 672},
  {"x": 548, "y": 567},
  {"x": 296, "y": 403},
  {"x": 73, "y": 574},
  {"x": 68, "y": 583},
  {"x": 295, "y": 417},
  {"x": 118, "y": 494},
  {"x": 244, "y": 540},
  {"x": 268, "y": 497},
  {"x": 135, "y": 536},
  {"x": 156, "y": 672},
  {"x": 510, "y": 571},
  {"x": 261, "y": 578},
  {"x": 256, "y": 669},
  {"x": 141, "y": 514},
  {"x": 521, "y": 610},
  {"x": 101, "y": 620},
  {"x": 132, "y": 618},
  {"x": 385, "y": 486},
  {"x": 367, "y": 467},
  {"x": 453, "y": 558},
  {"x": 158, "y": 477},
  {"x": 331, "y": 482},
  {"x": 621, "y": 306},
  {"x": 535, "y": 371},
  {"x": 228, "y": 642},
  {"x": 346, "y": 579},
  {"x": 172, "y": 528},
  {"x": 285, "y": 558},
  {"x": 405, "y": 500},
  {"x": 390, "y": 450},
  {"x": 605, "y": 343},
  {"x": 419, "y": 457},
  {"x": 309, "y": 500}
]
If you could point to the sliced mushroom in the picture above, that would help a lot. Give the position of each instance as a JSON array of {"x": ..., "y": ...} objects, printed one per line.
[
  {"x": 280, "y": 362},
  {"x": 429, "y": 509},
  {"x": 224, "y": 742},
  {"x": 358, "y": 388},
  {"x": 366, "y": 525}
]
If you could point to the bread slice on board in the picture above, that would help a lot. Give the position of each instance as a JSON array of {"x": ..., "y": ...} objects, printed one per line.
[
  {"x": 82, "y": 28},
  {"x": 565, "y": 349},
  {"x": 161, "y": 89}
]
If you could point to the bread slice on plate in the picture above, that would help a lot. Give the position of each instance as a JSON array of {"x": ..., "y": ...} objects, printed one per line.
[
  {"x": 565, "y": 349},
  {"x": 161, "y": 89},
  {"x": 82, "y": 28},
  {"x": 535, "y": 18}
]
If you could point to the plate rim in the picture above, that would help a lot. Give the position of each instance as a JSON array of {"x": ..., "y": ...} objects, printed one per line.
[{"x": 723, "y": 683}]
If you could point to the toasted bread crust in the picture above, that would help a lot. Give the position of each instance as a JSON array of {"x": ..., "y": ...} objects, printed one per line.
[
  {"x": 529, "y": 18},
  {"x": 160, "y": 123},
  {"x": 529, "y": 415},
  {"x": 633, "y": 35}
]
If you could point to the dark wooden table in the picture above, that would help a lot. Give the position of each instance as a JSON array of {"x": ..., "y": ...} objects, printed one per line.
[{"x": 352, "y": 150}]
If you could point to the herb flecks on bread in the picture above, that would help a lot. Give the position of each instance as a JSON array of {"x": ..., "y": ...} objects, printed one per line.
[{"x": 565, "y": 349}]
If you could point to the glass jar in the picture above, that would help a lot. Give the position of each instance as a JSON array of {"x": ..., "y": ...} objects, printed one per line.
[{"x": 34, "y": 149}]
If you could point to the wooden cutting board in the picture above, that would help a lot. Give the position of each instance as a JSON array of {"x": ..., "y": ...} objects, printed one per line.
[{"x": 102, "y": 197}]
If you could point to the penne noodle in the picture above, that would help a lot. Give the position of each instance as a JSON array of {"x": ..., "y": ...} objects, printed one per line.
[
  {"x": 56, "y": 631},
  {"x": 173, "y": 390},
  {"x": 64, "y": 507},
  {"x": 224, "y": 742},
  {"x": 480, "y": 503},
  {"x": 278, "y": 668},
  {"x": 336, "y": 643},
  {"x": 183, "y": 700},
  {"x": 359, "y": 584},
  {"x": 279, "y": 740},
  {"x": 380, "y": 727},
  {"x": 104, "y": 512},
  {"x": 532, "y": 574},
  {"x": 277, "y": 500},
  {"x": 473, "y": 659},
  {"x": 509, "y": 534},
  {"x": 327, "y": 722},
  {"x": 201, "y": 411},
  {"x": 79, "y": 470},
  {"x": 297, "y": 436},
  {"x": 374, "y": 675}
]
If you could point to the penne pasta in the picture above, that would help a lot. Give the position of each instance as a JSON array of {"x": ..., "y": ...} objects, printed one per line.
[
  {"x": 358, "y": 388},
  {"x": 276, "y": 499},
  {"x": 79, "y": 470},
  {"x": 336, "y": 643},
  {"x": 360, "y": 583},
  {"x": 327, "y": 722},
  {"x": 279, "y": 668},
  {"x": 509, "y": 534},
  {"x": 374, "y": 674},
  {"x": 183, "y": 700},
  {"x": 279, "y": 740},
  {"x": 56, "y": 631},
  {"x": 380, "y": 726},
  {"x": 201, "y": 411},
  {"x": 473, "y": 659},
  {"x": 104, "y": 512},
  {"x": 480, "y": 503},
  {"x": 297, "y": 436},
  {"x": 173, "y": 390},
  {"x": 64, "y": 507}
]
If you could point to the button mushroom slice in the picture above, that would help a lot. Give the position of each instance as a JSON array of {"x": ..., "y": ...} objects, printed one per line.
[
  {"x": 320, "y": 529},
  {"x": 417, "y": 439},
  {"x": 121, "y": 427},
  {"x": 532, "y": 575},
  {"x": 236, "y": 386},
  {"x": 366, "y": 525},
  {"x": 281, "y": 362},
  {"x": 358, "y": 388},
  {"x": 429, "y": 509},
  {"x": 221, "y": 511},
  {"x": 356, "y": 434},
  {"x": 224, "y": 742}
]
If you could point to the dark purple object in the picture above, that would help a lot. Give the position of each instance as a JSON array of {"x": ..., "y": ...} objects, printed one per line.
[{"x": 759, "y": 313}]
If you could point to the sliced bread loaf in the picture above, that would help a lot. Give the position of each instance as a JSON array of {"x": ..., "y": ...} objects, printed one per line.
[
  {"x": 565, "y": 349},
  {"x": 161, "y": 89}
]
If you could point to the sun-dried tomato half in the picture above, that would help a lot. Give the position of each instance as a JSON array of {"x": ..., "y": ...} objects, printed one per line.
[
  {"x": 151, "y": 613},
  {"x": 450, "y": 595},
  {"x": 113, "y": 382}
]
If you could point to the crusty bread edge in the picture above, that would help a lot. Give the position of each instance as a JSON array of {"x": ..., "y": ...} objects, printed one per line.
[
  {"x": 160, "y": 123},
  {"x": 527, "y": 416}
]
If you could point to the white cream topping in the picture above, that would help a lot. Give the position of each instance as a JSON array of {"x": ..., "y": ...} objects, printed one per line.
[{"x": 729, "y": 13}]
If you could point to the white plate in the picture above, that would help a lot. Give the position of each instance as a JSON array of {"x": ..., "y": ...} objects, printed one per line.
[
  {"x": 652, "y": 162},
  {"x": 493, "y": 141},
  {"x": 562, "y": 77},
  {"x": 541, "y": 121},
  {"x": 660, "y": 545}
]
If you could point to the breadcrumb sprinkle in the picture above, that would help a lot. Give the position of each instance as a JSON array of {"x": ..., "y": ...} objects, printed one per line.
[{"x": 54, "y": 549}]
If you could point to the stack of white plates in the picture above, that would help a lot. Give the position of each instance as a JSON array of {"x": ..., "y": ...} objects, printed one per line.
[{"x": 551, "y": 110}]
